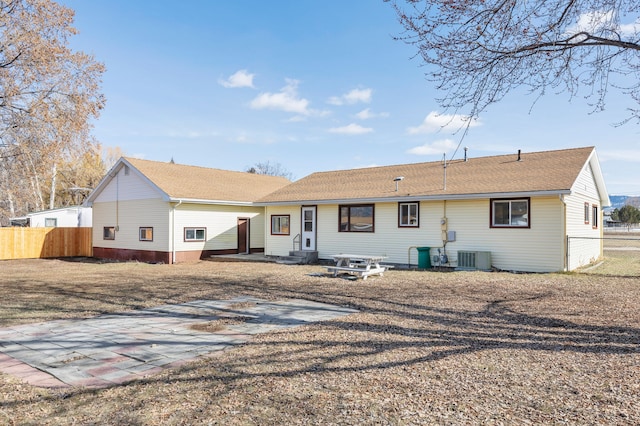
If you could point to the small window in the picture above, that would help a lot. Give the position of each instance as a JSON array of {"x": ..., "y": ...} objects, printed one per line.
[
  {"x": 194, "y": 234},
  {"x": 109, "y": 233},
  {"x": 408, "y": 215},
  {"x": 50, "y": 222},
  {"x": 356, "y": 218},
  {"x": 586, "y": 213},
  {"x": 146, "y": 234},
  {"x": 510, "y": 213},
  {"x": 280, "y": 224},
  {"x": 594, "y": 213}
]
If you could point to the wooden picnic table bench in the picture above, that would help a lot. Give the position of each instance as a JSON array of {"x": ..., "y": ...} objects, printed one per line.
[{"x": 358, "y": 265}]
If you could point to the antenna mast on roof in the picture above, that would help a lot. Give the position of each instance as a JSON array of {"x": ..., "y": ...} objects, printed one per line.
[{"x": 444, "y": 165}]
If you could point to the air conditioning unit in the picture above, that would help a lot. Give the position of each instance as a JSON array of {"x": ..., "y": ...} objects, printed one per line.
[{"x": 474, "y": 260}]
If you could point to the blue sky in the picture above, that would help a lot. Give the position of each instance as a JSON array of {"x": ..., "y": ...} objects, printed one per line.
[{"x": 309, "y": 85}]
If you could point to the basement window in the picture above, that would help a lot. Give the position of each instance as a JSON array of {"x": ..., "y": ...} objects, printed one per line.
[{"x": 510, "y": 213}]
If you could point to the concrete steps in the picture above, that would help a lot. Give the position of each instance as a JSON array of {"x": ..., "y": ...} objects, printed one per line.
[{"x": 299, "y": 257}]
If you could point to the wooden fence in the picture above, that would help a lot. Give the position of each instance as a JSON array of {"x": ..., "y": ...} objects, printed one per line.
[{"x": 31, "y": 243}]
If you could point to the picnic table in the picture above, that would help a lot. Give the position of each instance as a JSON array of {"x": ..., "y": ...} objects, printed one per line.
[{"x": 358, "y": 265}]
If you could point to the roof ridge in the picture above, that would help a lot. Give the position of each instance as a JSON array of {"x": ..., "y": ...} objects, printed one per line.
[{"x": 420, "y": 163}]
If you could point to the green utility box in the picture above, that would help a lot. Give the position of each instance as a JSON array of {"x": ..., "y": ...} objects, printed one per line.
[{"x": 424, "y": 257}]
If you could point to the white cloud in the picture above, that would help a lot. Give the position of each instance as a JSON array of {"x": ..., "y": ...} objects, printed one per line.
[
  {"x": 598, "y": 21},
  {"x": 351, "y": 129},
  {"x": 240, "y": 78},
  {"x": 435, "y": 122},
  {"x": 591, "y": 22},
  {"x": 366, "y": 114},
  {"x": 626, "y": 155},
  {"x": 287, "y": 99},
  {"x": 353, "y": 97},
  {"x": 630, "y": 29},
  {"x": 438, "y": 147}
]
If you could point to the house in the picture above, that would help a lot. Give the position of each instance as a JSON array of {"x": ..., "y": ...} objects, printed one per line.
[
  {"x": 526, "y": 211},
  {"x": 164, "y": 212}
]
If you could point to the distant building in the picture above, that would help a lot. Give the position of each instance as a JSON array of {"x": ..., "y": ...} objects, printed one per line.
[{"x": 64, "y": 217}]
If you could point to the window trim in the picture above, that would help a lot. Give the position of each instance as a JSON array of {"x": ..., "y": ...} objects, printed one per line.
[
  {"x": 409, "y": 225},
  {"x": 145, "y": 228},
  {"x": 112, "y": 233},
  {"x": 195, "y": 229},
  {"x": 54, "y": 219},
  {"x": 492, "y": 223},
  {"x": 595, "y": 216},
  {"x": 281, "y": 216},
  {"x": 350, "y": 206}
]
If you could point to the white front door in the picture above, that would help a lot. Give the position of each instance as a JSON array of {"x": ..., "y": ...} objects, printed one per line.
[{"x": 308, "y": 228}]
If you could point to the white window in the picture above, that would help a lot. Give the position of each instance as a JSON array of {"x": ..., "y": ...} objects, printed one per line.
[
  {"x": 50, "y": 222},
  {"x": 195, "y": 234},
  {"x": 408, "y": 215},
  {"x": 510, "y": 213}
]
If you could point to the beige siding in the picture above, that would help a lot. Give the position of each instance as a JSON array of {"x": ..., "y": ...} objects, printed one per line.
[
  {"x": 221, "y": 223},
  {"x": 280, "y": 245},
  {"x": 585, "y": 245},
  {"x": 129, "y": 216},
  {"x": 543, "y": 251},
  {"x": 126, "y": 187}
]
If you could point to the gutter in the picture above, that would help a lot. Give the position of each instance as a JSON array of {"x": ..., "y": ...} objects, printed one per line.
[
  {"x": 421, "y": 197},
  {"x": 564, "y": 232}
]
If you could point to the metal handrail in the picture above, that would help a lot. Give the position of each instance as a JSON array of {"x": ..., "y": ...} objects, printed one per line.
[{"x": 297, "y": 239}]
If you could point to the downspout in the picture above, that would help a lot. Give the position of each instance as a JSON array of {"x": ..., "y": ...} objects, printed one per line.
[
  {"x": 601, "y": 226},
  {"x": 173, "y": 232},
  {"x": 564, "y": 232}
]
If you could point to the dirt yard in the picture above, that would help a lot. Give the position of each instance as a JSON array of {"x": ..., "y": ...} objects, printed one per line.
[{"x": 425, "y": 348}]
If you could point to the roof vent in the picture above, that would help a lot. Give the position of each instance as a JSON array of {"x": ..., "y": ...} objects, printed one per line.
[
  {"x": 396, "y": 180},
  {"x": 519, "y": 158},
  {"x": 465, "y": 153}
]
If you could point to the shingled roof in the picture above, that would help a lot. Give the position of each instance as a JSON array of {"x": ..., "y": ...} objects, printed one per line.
[
  {"x": 535, "y": 172},
  {"x": 182, "y": 182}
]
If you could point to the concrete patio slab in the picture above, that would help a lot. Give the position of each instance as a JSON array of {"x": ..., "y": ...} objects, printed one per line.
[{"x": 113, "y": 349}]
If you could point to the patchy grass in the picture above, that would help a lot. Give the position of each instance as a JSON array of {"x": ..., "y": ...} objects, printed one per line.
[
  {"x": 425, "y": 347},
  {"x": 621, "y": 256}
]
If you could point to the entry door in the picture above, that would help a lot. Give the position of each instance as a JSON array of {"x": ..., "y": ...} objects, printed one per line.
[
  {"x": 308, "y": 228},
  {"x": 243, "y": 235}
]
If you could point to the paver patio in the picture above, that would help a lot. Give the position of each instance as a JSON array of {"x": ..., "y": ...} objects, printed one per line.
[{"x": 116, "y": 348}]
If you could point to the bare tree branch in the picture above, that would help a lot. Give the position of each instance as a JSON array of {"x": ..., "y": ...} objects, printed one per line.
[{"x": 477, "y": 51}]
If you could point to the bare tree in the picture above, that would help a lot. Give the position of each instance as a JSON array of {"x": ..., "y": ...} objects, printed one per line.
[
  {"x": 476, "y": 51},
  {"x": 271, "y": 169},
  {"x": 48, "y": 97}
]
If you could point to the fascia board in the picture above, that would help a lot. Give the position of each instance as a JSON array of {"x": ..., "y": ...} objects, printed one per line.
[
  {"x": 112, "y": 173},
  {"x": 210, "y": 202},
  {"x": 599, "y": 178}
]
